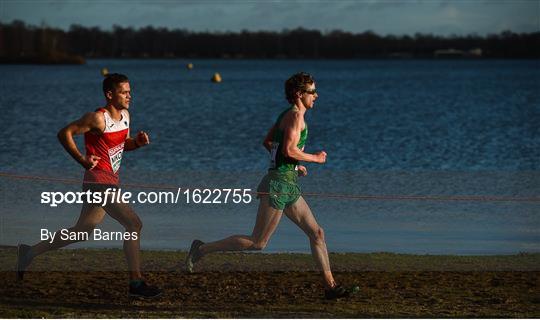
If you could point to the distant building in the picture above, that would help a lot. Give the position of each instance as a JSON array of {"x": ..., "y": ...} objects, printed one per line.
[
  {"x": 453, "y": 53},
  {"x": 448, "y": 53},
  {"x": 476, "y": 52}
]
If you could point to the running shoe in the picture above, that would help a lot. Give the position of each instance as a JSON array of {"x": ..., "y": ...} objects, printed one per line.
[
  {"x": 142, "y": 290},
  {"x": 194, "y": 255},
  {"x": 22, "y": 260},
  {"x": 336, "y": 292}
]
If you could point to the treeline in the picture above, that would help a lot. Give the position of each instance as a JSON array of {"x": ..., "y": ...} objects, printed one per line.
[{"x": 19, "y": 41}]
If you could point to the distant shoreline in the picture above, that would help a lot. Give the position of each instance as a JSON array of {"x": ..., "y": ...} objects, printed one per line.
[
  {"x": 82, "y": 61},
  {"x": 295, "y": 43},
  {"x": 55, "y": 59}
]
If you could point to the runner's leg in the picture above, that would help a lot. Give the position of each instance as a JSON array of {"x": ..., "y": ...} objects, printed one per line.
[
  {"x": 91, "y": 215},
  {"x": 301, "y": 215},
  {"x": 127, "y": 217},
  {"x": 265, "y": 225}
]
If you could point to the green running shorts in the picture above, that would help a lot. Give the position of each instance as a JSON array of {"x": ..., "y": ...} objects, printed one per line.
[{"x": 282, "y": 188}]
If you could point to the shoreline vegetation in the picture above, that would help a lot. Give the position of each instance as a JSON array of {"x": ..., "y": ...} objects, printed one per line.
[
  {"x": 92, "y": 283},
  {"x": 49, "y": 58},
  {"x": 24, "y": 43}
]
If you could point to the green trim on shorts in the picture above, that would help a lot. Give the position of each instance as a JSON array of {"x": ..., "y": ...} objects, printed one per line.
[{"x": 282, "y": 188}]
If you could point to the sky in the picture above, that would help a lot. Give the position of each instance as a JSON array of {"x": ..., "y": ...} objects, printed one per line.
[{"x": 440, "y": 17}]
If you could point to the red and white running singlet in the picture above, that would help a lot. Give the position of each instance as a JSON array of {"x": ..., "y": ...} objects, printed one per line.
[{"x": 109, "y": 146}]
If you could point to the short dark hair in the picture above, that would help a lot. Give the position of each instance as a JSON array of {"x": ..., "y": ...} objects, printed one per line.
[
  {"x": 298, "y": 82},
  {"x": 112, "y": 80}
]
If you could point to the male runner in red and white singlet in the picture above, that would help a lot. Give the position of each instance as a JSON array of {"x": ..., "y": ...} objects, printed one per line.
[{"x": 106, "y": 137}]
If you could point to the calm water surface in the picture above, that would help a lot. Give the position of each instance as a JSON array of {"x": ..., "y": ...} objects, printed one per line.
[{"x": 449, "y": 127}]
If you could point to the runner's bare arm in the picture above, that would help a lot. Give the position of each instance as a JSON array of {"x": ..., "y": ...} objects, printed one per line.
[
  {"x": 293, "y": 126},
  {"x": 140, "y": 140},
  {"x": 92, "y": 121},
  {"x": 267, "y": 143}
]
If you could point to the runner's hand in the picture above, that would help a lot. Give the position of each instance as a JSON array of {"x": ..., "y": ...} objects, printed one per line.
[
  {"x": 302, "y": 171},
  {"x": 321, "y": 157},
  {"x": 90, "y": 161},
  {"x": 142, "y": 139}
]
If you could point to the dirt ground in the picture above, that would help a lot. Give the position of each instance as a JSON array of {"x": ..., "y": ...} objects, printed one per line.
[{"x": 93, "y": 284}]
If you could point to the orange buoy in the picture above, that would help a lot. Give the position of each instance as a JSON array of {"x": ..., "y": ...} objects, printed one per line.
[{"x": 216, "y": 78}]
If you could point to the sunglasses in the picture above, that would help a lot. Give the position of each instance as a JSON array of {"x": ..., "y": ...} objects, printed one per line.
[{"x": 314, "y": 91}]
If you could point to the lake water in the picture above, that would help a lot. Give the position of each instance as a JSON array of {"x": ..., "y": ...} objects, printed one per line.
[{"x": 423, "y": 128}]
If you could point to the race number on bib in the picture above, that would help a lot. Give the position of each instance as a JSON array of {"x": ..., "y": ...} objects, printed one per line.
[{"x": 115, "y": 156}]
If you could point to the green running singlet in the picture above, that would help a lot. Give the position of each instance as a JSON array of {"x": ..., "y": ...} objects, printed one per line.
[
  {"x": 277, "y": 160},
  {"x": 281, "y": 181}
]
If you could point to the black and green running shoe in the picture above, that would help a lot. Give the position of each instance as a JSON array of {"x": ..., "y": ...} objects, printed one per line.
[{"x": 336, "y": 292}]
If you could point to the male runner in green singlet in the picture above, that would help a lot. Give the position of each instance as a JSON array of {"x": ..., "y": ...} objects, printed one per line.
[{"x": 279, "y": 192}]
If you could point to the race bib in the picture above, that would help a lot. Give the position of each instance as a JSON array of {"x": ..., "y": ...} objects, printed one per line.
[
  {"x": 115, "y": 156},
  {"x": 273, "y": 153}
]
